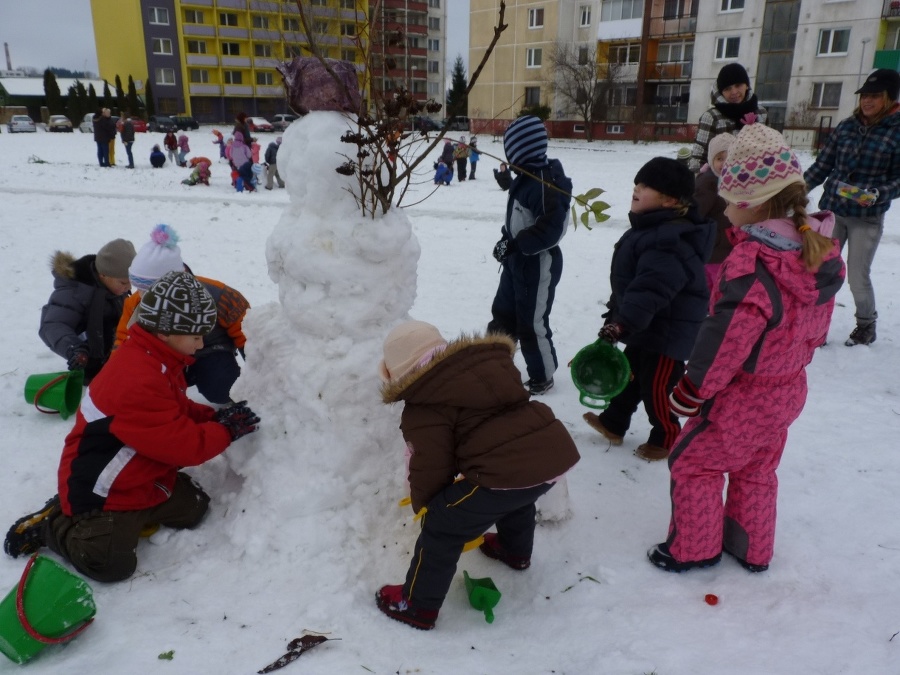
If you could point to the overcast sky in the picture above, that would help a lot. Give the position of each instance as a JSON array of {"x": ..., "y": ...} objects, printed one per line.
[{"x": 60, "y": 33}]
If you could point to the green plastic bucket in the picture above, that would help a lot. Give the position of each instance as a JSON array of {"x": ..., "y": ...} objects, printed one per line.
[
  {"x": 600, "y": 372},
  {"x": 60, "y": 392},
  {"x": 50, "y": 605},
  {"x": 483, "y": 595}
]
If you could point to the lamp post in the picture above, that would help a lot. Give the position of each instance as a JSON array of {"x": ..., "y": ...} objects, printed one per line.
[{"x": 862, "y": 58}]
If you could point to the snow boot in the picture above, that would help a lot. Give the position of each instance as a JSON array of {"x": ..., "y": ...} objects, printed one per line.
[
  {"x": 492, "y": 549},
  {"x": 652, "y": 453},
  {"x": 750, "y": 567},
  {"x": 659, "y": 555},
  {"x": 390, "y": 601},
  {"x": 862, "y": 335},
  {"x": 539, "y": 388},
  {"x": 594, "y": 422},
  {"x": 27, "y": 534}
]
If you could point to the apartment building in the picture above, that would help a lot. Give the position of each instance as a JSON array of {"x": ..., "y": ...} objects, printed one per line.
[
  {"x": 657, "y": 60},
  {"x": 214, "y": 58}
]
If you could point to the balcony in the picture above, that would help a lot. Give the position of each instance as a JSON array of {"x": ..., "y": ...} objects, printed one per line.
[
  {"x": 668, "y": 70},
  {"x": 887, "y": 58},
  {"x": 269, "y": 90},
  {"x": 618, "y": 72},
  {"x": 194, "y": 3},
  {"x": 266, "y": 34},
  {"x": 890, "y": 9},
  {"x": 667, "y": 113},
  {"x": 672, "y": 26},
  {"x": 263, "y": 6},
  {"x": 232, "y": 4},
  {"x": 205, "y": 89},
  {"x": 238, "y": 90},
  {"x": 199, "y": 29},
  {"x": 201, "y": 60},
  {"x": 236, "y": 61},
  {"x": 265, "y": 62},
  {"x": 619, "y": 113},
  {"x": 227, "y": 31}
]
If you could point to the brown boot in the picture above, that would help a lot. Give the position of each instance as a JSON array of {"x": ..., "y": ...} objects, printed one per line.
[
  {"x": 652, "y": 453},
  {"x": 595, "y": 423}
]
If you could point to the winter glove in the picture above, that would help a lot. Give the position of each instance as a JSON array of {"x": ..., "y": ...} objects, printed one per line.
[
  {"x": 238, "y": 419},
  {"x": 685, "y": 400},
  {"x": 242, "y": 353},
  {"x": 503, "y": 248},
  {"x": 611, "y": 332},
  {"x": 78, "y": 358}
]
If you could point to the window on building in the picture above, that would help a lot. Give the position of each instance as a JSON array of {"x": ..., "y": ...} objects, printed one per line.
[
  {"x": 533, "y": 58},
  {"x": 676, "y": 52},
  {"x": 260, "y": 21},
  {"x": 673, "y": 94},
  {"x": 434, "y": 3},
  {"x": 348, "y": 55},
  {"x": 615, "y": 10},
  {"x": 413, "y": 42},
  {"x": 582, "y": 56},
  {"x": 673, "y": 9},
  {"x": 532, "y": 96},
  {"x": 826, "y": 95},
  {"x": 434, "y": 23},
  {"x": 434, "y": 88},
  {"x": 231, "y": 49},
  {"x": 320, "y": 27},
  {"x": 196, "y": 47},
  {"x": 291, "y": 24},
  {"x": 727, "y": 47},
  {"x": 198, "y": 76},
  {"x": 348, "y": 4},
  {"x": 732, "y": 5},
  {"x": 623, "y": 54},
  {"x": 161, "y": 46},
  {"x": 434, "y": 45},
  {"x": 434, "y": 66},
  {"x": 348, "y": 29},
  {"x": 833, "y": 41},
  {"x": 233, "y": 77},
  {"x": 317, "y": 3},
  {"x": 623, "y": 94},
  {"x": 536, "y": 18},
  {"x": 585, "y": 12},
  {"x": 165, "y": 75},
  {"x": 264, "y": 78},
  {"x": 193, "y": 16},
  {"x": 228, "y": 19},
  {"x": 262, "y": 50},
  {"x": 159, "y": 16}
]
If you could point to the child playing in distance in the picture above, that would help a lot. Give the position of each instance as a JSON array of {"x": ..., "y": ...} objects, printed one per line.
[
  {"x": 442, "y": 175},
  {"x": 465, "y": 412},
  {"x": 183, "y": 150},
  {"x": 503, "y": 177},
  {"x": 220, "y": 141},
  {"x": 461, "y": 157},
  {"x": 474, "y": 156},
  {"x": 79, "y": 320},
  {"x": 711, "y": 206},
  {"x": 659, "y": 297},
  {"x": 157, "y": 158},
  {"x": 200, "y": 174},
  {"x": 745, "y": 381},
  {"x": 120, "y": 470},
  {"x": 170, "y": 142}
]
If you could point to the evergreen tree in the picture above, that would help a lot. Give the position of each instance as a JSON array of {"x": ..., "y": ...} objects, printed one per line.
[
  {"x": 74, "y": 105},
  {"x": 93, "y": 103},
  {"x": 51, "y": 91},
  {"x": 457, "y": 100},
  {"x": 132, "y": 103},
  {"x": 149, "y": 103},
  {"x": 107, "y": 95},
  {"x": 120, "y": 96}
]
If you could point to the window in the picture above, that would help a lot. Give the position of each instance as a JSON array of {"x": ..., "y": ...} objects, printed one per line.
[
  {"x": 536, "y": 18},
  {"x": 161, "y": 46},
  {"x": 348, "y": 4},
  {"x": 260, "y": 21},
  {"x": 165, "y": 76},
  {"x": 732, "y": 5},
  {"x": 413, "y": 42},
  {"x": 826, "y": 95},
  {"x": 585, "y": 11},
  {"x": 291, "y": 24},
  {"x": 676, "y": 52},
  {"x": 233, "y": 77},
  {"x": 264, "y": 78},
  {"x": 196, "y": 47},
  {"x": 623, "y": 95},
  {"x": 434, "y": 3},
  {"x": 434, "y": 45},
  {"x": 672, "y": 94},
  {"x": 615, "y": 10},
  {"x": 615, "y": 129},
  {"x": 622, "y": 54},
  {"x": 727, "y": 47},
  {"x": 199, "y": 76},
  {"x": 320, "y": 27},
  {"x": 348, "y": 54},
  {"x": 434, "y": 23},
  {"x": 434, "y": 66},
  {"x": 532, "y": 96},
  {"x": 533, "y": 58},
  {"x": 673, "y": 9},
  {"x": 582, "y": 56},
  {"x": 348, "y": 29},
  {"x": 159, "y": 16},
  {"x": 227, "y": 19},
  {"x": 231, "y": 49},
  {"x": 434, "y": 88},
  {"x": 262, "y": 50},
  {"x": 193, "y": 16},
  {"x": 833, "y": 41},
  {"x": 317, "y": 3}
]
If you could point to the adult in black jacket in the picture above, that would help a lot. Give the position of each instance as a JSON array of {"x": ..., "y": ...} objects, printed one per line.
[
  {"x": 104, "y": 132},
  {"x": 128, "y": 138}
]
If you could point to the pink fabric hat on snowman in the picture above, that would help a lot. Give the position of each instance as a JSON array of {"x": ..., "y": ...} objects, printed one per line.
[{"x": 760, "y": 164}]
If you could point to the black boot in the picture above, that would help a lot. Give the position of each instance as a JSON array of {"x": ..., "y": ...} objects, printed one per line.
[{"x": 862, "y": 335}]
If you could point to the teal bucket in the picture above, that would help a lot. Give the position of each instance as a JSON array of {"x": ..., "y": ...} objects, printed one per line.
[{"x": 600, "y": 372}]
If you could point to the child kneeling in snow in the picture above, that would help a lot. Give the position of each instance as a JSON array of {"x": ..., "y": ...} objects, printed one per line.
[
  {"x": 443, "y": 174},
  {"x": 467, "y": 413},
  {"x": 120, "y": 471},
  {"x": 200, "y": 174}
]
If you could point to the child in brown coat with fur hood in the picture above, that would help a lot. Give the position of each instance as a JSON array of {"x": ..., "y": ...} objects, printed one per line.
[{"x": 481, "y": 453}]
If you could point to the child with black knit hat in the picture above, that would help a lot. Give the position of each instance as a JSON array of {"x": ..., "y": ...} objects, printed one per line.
[{"x": 659, "y": 298}]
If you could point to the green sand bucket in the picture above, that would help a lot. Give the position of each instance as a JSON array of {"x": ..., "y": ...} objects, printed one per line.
[
  {"x": 600, "y": 372},
  {"x": 60, "y": 392},
  {"x": 49, "y": 606},
  {"x": 483, "y": 595}
]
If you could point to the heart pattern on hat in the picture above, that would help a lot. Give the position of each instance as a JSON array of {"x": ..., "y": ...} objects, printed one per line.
[{"x": 759, "y": 165}]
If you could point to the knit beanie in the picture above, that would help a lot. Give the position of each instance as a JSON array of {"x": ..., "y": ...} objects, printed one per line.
[
  {"x": 177, "y": 304},
  {"x": 158, "y": 256},
  {"x": 733, "y": 73},
  {"x": 720, "y": 143},
  {"x": 760, "y": 164},
  {"x": 667, "y": 176},
  {"x": 525, "y": 141},
  {"x": 114, "y": 258},
  {"x": 408, "y": 346}
]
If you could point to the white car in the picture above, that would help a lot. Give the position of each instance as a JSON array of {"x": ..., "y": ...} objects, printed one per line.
[
  {"x": 87, "y": 124},
  {"x": 20, "y": 123}
]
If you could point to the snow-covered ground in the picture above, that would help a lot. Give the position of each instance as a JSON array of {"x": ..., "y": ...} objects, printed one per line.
[{"x": 301, "y": 534}]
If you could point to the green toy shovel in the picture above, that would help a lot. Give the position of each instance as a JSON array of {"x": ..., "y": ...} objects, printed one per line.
[{"x": 483, "y": 595}]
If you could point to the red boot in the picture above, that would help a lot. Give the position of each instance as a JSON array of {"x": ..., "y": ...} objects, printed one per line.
[
  {"x": 390, "y": 601},
  {"x": 492, "y": 549}
]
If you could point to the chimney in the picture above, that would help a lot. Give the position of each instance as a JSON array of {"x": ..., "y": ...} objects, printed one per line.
[{"x": 8, "y": 60}]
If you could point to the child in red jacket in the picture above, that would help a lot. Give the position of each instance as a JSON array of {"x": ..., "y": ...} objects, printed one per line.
[{"x": 120, "y": 468}]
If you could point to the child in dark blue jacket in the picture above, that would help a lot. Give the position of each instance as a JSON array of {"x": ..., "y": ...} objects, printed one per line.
[{"x": 659, "y": 299}]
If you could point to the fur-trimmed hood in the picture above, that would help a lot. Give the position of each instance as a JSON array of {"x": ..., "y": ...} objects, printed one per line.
[{"x": 66, "y": 267}]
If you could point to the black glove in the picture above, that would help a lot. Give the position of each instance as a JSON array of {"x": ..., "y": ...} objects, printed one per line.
[
  {"x": 241, "y": 352},
  {"x": 238, "y": 419},
  {"x": 503, "y": 248},
  {"x": 78, "y": 358},
  {"x": 611, "y": 332},
  {"x": 685, "y": 400}
]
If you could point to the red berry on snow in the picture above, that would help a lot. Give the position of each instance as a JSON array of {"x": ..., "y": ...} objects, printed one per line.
[{"x": 711, "y": 599}]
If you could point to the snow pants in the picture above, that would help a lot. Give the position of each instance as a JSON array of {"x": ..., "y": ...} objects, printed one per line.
[
  {"x": 522, "y": 304},
  {"x": 862, "y": 236},
  {"x": 103, "y": 544},
  {"x": 461, "y": 168},
  {"x": 740, "y": 432},
  {"x": 458, "y": 514},
  {"x": 214, "y": 373}
]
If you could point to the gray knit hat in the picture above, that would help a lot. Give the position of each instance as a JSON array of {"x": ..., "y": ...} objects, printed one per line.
[
  {"x": 525, "y": 141},
  {"x": 177, "y": 304},
  {"x": 114, "y": 259}
]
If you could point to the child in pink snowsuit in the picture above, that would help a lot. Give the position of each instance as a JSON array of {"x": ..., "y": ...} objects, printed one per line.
[{"x": 745, "y": 382}]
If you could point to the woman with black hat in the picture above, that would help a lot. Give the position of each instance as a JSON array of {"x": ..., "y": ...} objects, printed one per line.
[
  {"x": 733, "y": 105},
  {"x": 860, "y": 166}
]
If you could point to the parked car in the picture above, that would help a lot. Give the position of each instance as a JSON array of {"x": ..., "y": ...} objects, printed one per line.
[
  {"x": 20, "y": 124},
  {"x": 140, "y": 126},
  {"x": 185, "y": 122},
  {"x": 59, "y": 123},
  {"x": 282, "y": 121},
  {"x": 259, "y": 124},
  {"x": 457, "y": 124},
  {"x": 423, "y": 124},
  {"x": 86, "y": 126},
  {"x": 161, "y": 123}
]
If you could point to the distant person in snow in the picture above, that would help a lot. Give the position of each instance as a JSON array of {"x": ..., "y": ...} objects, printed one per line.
[
  {"x": 157, "y": 158},
  {"x": 503, "y": 177}
]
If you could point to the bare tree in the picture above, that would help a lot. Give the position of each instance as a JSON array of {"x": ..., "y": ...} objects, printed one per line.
[{"x": 575, "y": 80}]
